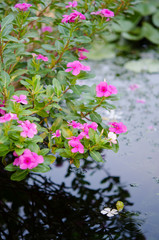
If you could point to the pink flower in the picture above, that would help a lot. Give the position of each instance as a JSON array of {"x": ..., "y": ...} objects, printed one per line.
[
  {"x": 104, "y": 13},
  {"x": 28, "y": 160},
  {"x": 133, "y": 87},
  {"x": 105, "y": 90},
  {"x": 56, "y": 134},
  {"x": 75, "y": 124},
  {"x": 77, "y": 146},
  {"x": 71, "y": 4},
  {"x": 73, "y": 16},
  {"x": 29, "y": 129},
  {"x": 81, "y": 56},
  {"x": 8, "y": 117},
  {"x": 20, "y": 99},
  {"x": 23, "y": 6},
  {"x": 2, "y": 112},
  {"x": 76, "y": 67},
  {"x": 117, "y": 127},
  {"x": 112, "y": 137},
  {"x": 140, "y": 101},
  {"x": 40, "y": 56},
  {"x": 46, "y": 29}
]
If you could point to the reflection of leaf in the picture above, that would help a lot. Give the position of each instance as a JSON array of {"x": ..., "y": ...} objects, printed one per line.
[
  {"x": 148, "y": 65},
  {"x": 101, "y": 51},
  {"x": 133, "y": 185},
  {"x": 145, "y": 9},
  {"x": 150, "y": 33},
  {"x": 155, "y": 19}
]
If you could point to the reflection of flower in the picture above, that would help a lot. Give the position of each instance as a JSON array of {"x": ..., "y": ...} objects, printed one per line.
[{"x": 110, "y": 212}]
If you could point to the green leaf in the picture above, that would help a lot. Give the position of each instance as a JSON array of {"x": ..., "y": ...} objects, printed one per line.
[
  {"x": 43, "y": 151},
  {"x": 19, "y": 175},
  {"x": 76, "y": 162},
  {"x": 66, "y": 132},
  {"x": 49, "y": 159},
  {"x": 57, "y": 124},
  {"x": 19, "y": 151},
  {"x": 6, "y": 21},
  {"x": 83, "y": 39},
  {"x": 5, "y": 78},
  {"x": 3, "y": 147},
  {"x": 95, "y": 117},
  {"x": 57, "y": 87},
  {"x": 10, "y": 167},
  {"x": 96, "y": 156},
  {"x": 91, "y": 134},
  {"x": 42, "y": 168}
]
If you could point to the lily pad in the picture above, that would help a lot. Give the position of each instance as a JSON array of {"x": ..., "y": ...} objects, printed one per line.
[{"x": 147, "y": 65}]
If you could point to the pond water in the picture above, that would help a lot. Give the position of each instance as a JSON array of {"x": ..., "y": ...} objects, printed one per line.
[{"x": 66, "y": 202}]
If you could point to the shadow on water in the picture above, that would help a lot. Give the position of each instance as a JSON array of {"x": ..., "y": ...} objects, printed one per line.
[{"x": 38, "y": 208}]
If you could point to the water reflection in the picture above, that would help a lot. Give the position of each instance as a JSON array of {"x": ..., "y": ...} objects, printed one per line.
[{"x": 39, "y": 208}]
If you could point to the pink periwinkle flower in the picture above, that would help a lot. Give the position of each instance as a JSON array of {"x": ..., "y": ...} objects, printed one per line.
[
  {"x": 28, "y": 160},
  {"x": 71, "y": 4},
  {"x": 77, "y": 146},
  {"x": 104, "y": 13},
  {"x": 81, "y": 56},
  {"x": 23, "y": 6},
  {"x": 105, "y": 90},
  {"x": 20, "y": 99},
  {"x": 46, "y": 29},
  {"x": 40, "y": 56},
  {"x": 8, "y": 117},
  {"x": 56, "y": 134},
  {"x": 117, "y": 127},
  {"x": 2, "y": 112},
  {"x": 73, "y": 16},
  {"x": 133, "y": 87},
  {"x": 76, "y": 67},
  {"x": 75, "y": 124},
  {"x": 29, "y": 129}
]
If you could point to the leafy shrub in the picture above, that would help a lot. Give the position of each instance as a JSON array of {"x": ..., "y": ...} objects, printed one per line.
[{"x": 44, "y": 110}]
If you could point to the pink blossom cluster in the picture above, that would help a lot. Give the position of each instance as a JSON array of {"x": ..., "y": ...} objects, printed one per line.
[
  {"x": 76, "y": 67},
  {"x": 71, "y": 4},
  {"x": 8, "y": 117},
  {"x": 104, "y": 13},
  {"x": 117, "y": 127},
  {"x": 105, "y": 90},
  {"x": 28, "y": 159},
  {"x": 56, "y": 134},
  {"x": 20, "y": 99},
  {"x": 46, "y": 29},
  {"x": 73, "y": 16},
  {"x": 75, "y": 141},
  {"x": 2, "y": 112},
  {"x": 40, "y": 56},
  {"x": 81, "y": 56},
  {"x": 29, "y": 129},
  {"x": 23, "y": 6}
]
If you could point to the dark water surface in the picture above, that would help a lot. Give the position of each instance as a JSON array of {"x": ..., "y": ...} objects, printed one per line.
[{"x": 67, "y": 203}]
